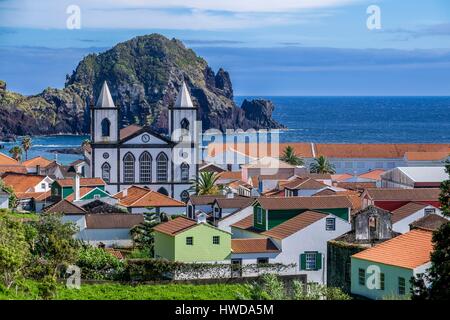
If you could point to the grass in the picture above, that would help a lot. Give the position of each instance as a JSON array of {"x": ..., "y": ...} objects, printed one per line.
[
  {"x": 19, "y": 215},
  {"x": 138, "y": 292}
]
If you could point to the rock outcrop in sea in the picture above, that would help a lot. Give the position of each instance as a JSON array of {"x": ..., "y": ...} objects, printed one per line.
[{"x": 144, "y": 75}]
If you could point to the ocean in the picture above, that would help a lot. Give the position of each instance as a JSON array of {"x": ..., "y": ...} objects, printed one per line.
[{"x": 326, "y": 119}]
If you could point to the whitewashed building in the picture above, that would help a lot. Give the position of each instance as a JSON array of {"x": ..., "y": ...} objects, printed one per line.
[{"x": 137, "y": 155}]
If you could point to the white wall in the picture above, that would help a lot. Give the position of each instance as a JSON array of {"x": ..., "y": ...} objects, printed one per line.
[
  {"x": 110, "y": 237},
  {"x": 402, "y": 226},
  {"x": 4, "y": 202},
  {"x": 169, "y": 210},
  {"x": 225, "y": 223}
]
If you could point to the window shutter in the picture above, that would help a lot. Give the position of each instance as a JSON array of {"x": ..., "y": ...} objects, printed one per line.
[
  {"x": 303, "y": 261},
  {"x": 318, "y": 261}
]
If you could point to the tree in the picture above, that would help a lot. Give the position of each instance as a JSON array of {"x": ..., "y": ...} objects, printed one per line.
[
  {"x": 26, "y": 145},
  {"x": 290, "y": 157},
  {"x": 142, "y": 234},
  {"x": 434, "y": 284},
  {"x": 51, "y": 244},
  {"x": 16, "y": 152},
  {"x": 14, "y": 251},
  {"x": 206, "y": 184},
  {"x": 321, "y": 165}
]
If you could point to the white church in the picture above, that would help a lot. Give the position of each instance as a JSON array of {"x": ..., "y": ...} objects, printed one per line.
[{"x": 137, "y": 155}]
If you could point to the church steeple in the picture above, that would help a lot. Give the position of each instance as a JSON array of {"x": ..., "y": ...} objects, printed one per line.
[
  {"x": 184, "y": 98},
  {"x": 105, "y": 99}
]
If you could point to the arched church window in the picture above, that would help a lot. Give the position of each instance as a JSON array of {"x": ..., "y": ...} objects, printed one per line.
[
  {"x": 163, "y": 191},
  {"x": 185, "y": 124},
  {"x": 106, "y": 172},
  {"x": 106, "y": 126},
  {"x": 128, "y": 168},
  {"x": 145, "y": 167},
  {"x": 184, "y": 172},
  {"x": 161, "y": 167}
]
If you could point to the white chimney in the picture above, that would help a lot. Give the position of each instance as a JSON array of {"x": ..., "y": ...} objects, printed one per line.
[
  {"x": 230, "y": 194},
  {"x": 76, "y": 187},
  {"x": 125, "y": 192},
  {"x": 201, "y": 218}
]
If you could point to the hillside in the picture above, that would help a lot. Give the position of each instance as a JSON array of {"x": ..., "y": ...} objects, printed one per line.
[{"x": 144, "y": 75}]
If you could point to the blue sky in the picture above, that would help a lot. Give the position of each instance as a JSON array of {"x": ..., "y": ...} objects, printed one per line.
[{"x": 284, "y": 47}]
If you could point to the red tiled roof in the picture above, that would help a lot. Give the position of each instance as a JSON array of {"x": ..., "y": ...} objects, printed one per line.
[
  {"x": 142, "y": 197},
  {"x": 409, "y": 250},
  {"x": 13, "y": 168},
  {"x": 356, "y": 185},
  {"x": 246, "y": 223},
  {"x": 294, "y": 224},
  {"x": 64, "y": 206},
  {"x": 406, "y": 210},
  {"x": 7, "y": 161},
  {"x": 253, "y": 245},
  {"x": 38, "y": 196},
  {"x": 422, "y": 194},
  {"x": 175, "y": 226},
  {"x": 22, "y": 182},
  {"x": 373, "y": 175},
  {"x": 83, "y": 192},
  {"x": 113, "y": 221},
  {"x": 430, "y": 222},
  {"x": 232, "y": 175},
  {"x": 84, "y": 182},
  {"x": 258, "y": 150},
  {"x": 427, "y": 156},
  {"x": 128, "y": 131},
  {"x": 304, "y": 184},
  {"x": 318, "y": 202},
  {"x": 341, "y": 177},
  {"x": 230, "y": 203},
  {"x": 37, "y": 161}
]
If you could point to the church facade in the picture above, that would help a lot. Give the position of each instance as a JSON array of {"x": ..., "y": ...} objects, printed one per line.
[{"x": 136, "y": 155}]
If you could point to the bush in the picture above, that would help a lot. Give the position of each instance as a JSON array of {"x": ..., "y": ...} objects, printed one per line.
[{"x": 98, "y": 264}]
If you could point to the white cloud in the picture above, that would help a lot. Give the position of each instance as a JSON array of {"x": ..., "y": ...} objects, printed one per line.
[{"x": 167, "y": 14}]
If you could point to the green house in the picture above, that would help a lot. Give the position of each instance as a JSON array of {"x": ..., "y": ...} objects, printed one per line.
[
  {"x": 186, "y": 240},
  {"x": 269, "y": 212},
  {"x": 64, "y": 187},
  {"x": 385, "y": 270}
]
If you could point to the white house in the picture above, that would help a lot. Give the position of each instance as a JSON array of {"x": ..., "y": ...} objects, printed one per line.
[
  {"x": 414, "y": 177},
  {"x": 301, "y": 242},
  {"x": 225, "y": 222},
  {"x": 137, "y": 155},
  {"x": 4, "y": 200},
  {"x": 410, "y": 212}
]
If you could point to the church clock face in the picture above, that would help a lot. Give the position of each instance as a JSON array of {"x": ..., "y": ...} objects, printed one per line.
[
  {"x": 145, "y": 138},
  {"x": 105, "y": 155}
]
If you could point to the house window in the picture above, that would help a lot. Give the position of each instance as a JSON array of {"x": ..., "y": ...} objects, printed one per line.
[
  {"x": 106, "y": 125},
  {"x": 145, "y": 167},
  {"x": 262, "y": 261},
  {"x": 185, "y": 124},
  {"x": 259, "y": 215},
  {"x": 184, "y": 172},
  {"x": 189, "y": 241},
  {"x": 216, "y": 239},
  {"x": 310, "y": 260},
  {"x": 161, "y": 167},
  {"x": 381, "y": 281},
  {"x": 96, "y": 196},
  {"x": 430, "y": 211},
  {"x": 106, "y": 172},
  {"x": 43, "y": 185},
  {"x": 330, "y": 224},
  {"x": 361, "y": 277},
  {"x": 401, "y": 286},
  {"x": 190, "y": 211},
  {"x": 128, "y": 168}
]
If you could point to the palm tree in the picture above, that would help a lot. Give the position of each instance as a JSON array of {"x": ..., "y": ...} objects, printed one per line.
[
  {"x": 206, "y": 183},
  {"x": 16, "y": 152},
  {"x": 26, "y": 145},
  {"x": 322, "y": 165},
  {"x": 290, "y": 157}
]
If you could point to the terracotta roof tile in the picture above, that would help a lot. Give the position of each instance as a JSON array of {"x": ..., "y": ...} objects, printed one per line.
[
  {"x": 37, "y": 161},
  {"x": 205, "y": 199},
  {"x": 38, "y": 196},
  {"x": 253, "y": 245},
  {"x": 325, "y": 192},
  {"x": 115, "y": 253},
  {"x": 341, "y": 177},
  {"x": 356, "y": 185},
  {"x": 304, "y": 184},
  {"x": 231, "y": 203},
  {"x": 318, "y": 202},
  {"x": 83, "y": 192},
  {"x": 128, "y": 131},
  {"x": 84, "y": 182},
  {"x": 13, "y": 168},
  {"x": 175, "y": 226},
  {"x": 232, "y": 175},
  {"x": 430, "y": 222},
  {"x": 406, "y": 210},
  {"x": 113, "y": 221},
  {"x": 141, "y": 197},
  {"x": 246, "y": 223},
  {"x": 257, "y": 150},
  {"x": 373, "y": 175},
  {"x": 409, "y": 250},
  {"x": 423, "y": 194},
  {"x": 7, "y": 161},
  {"x": 22, "y": 182},
  {"x": 64, "y": 206},
  {"x": 294, "y": 224},
  {"x": 427, "y": 156}
]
